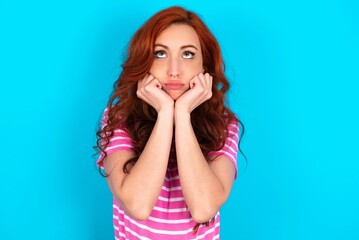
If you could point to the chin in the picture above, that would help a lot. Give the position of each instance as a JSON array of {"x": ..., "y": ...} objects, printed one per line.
[{"x": 175, "y": 96}]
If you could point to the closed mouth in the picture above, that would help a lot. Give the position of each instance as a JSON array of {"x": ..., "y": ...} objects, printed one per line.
[{"x": 174, "y": 86}]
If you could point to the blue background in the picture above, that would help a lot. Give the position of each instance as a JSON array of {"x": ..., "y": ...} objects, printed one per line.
[{"x": 293, "y": 66}]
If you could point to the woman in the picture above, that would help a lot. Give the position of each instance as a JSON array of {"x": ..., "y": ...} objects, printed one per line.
[{"x": 168, "y": 143}]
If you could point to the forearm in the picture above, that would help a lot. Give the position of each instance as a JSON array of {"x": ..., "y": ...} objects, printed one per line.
[
  {"x": 142, "y": 186},
  {"x": 202, "y": 190}
]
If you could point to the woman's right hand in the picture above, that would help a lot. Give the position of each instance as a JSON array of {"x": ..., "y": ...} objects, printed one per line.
[{"x": 149, "y": 89}]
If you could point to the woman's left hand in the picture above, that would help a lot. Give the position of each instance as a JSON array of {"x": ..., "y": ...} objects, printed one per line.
[{"x": 199, "y": 92}]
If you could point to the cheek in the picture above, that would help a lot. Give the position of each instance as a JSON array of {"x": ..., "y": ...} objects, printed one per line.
[
  {"x": 154, "y": 68},
  {"x": 158, "y": 71},
  {"x": 195, "y": 66},
  {"x": 190, "y": 70}
]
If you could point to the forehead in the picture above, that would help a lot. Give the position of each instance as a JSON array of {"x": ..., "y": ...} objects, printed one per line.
[{"x": 178, "y": 35}]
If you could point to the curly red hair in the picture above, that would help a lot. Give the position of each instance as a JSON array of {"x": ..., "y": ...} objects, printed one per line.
[{"x": 126, "y": 110}]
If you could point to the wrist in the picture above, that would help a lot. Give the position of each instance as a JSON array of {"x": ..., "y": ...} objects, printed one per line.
[
  {"x": 182, "y": 114},
  {"x": 166, "y": 111},
  {"x": 181, "y": 108}
]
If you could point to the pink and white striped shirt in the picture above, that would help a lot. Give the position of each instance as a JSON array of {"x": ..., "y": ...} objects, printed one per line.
[{"x": 170, "y": 217}]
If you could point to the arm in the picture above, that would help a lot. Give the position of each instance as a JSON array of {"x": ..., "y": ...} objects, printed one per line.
[
  {"x": 206, "y": 186},
  {"x": 138, "y": 191}
]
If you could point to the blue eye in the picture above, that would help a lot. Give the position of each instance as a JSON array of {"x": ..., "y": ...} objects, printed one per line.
[
  {"x": 160, "y": 54},
  {"x": 188, "y": 55}
]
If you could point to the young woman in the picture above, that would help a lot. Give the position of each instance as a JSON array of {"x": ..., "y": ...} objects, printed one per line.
[{"x": 168, "y": 143}]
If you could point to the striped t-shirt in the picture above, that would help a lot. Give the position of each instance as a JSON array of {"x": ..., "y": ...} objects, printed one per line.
[{"x": 170, "y": 217}]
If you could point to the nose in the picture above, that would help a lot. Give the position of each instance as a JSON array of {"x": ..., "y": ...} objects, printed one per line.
[{"x": 174, "y": 67}]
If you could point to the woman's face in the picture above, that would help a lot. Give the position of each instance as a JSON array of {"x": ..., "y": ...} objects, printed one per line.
[{"x": 178, "y": 58}]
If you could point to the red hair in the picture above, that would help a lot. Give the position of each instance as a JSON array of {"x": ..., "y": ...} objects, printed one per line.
[
  {"x": 209, "y": 120},
  {"x": 128, "y": 111}
]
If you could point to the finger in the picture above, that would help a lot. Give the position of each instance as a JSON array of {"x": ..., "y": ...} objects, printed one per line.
[
  {"x": 141, "y": 82},
  {"x": 191, "y": 84},
  {"x": 145, "y": 81},
  {"x": 146, "y": 84},
  {"x": 194, "y": 82},
  {"x": 155, "y": 82},
  {"x": 201, "y": 76},
  {"x": 205, "y": 83},
  {"x": 149, "y": 78},
  {"x": 206, "y": 76},
  {"x": 208, "y": 80},
  {"x": 201, "y": 80},
  {"x": 145, "y": 77}
]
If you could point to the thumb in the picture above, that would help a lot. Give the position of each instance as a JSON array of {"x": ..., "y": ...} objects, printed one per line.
[
  {"x": 192, "y": 84},
  {"x": 157, "y": 84}
]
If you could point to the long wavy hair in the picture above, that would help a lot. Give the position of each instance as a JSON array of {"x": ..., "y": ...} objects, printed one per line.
[
  {"x": 128, "y": 111},
  {"x": 209, "y": 120}
]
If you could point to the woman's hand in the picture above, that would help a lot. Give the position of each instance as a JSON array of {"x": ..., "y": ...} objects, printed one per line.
[
  {"x": 149, "y": 89},
  {"x": 199, "y": 92}
]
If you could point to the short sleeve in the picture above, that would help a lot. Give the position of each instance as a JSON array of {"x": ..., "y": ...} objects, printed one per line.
[
  {"x": 119, "y": 141},
  {"x": 230, "y": 148}
]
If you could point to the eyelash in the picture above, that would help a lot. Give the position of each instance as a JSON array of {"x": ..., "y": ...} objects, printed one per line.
[
  {"x": 186, "y": 52},
  {"x": 189, "y": 52},
  {"x": 157, "y": 52}
]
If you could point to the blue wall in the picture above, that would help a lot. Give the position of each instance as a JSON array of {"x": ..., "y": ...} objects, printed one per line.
[{"x": 294, "y": 72}]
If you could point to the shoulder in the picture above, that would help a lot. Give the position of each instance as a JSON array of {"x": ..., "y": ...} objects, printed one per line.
[{"x": 232, "y": 122}]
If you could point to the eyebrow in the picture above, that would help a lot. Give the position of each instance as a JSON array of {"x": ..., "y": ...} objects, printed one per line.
[{"x": 182, "y": 47}]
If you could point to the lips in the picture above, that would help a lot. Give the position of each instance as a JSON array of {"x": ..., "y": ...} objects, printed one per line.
[{"x": 174, "y": 86}]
